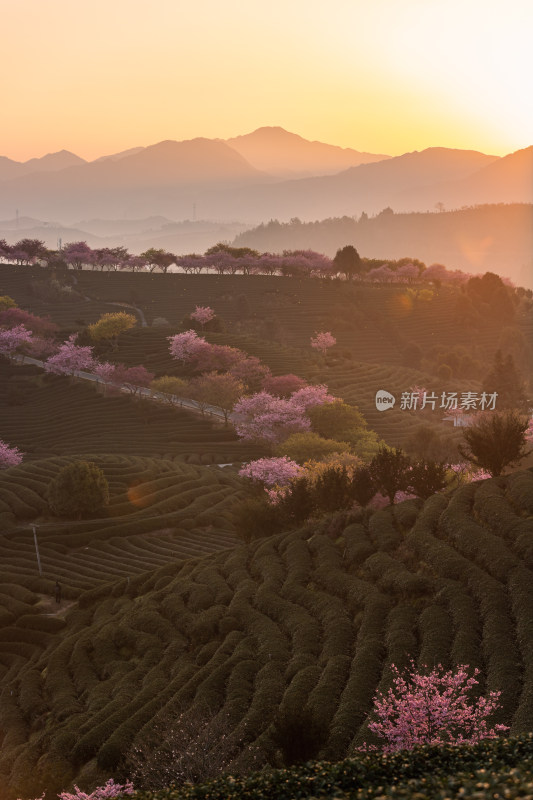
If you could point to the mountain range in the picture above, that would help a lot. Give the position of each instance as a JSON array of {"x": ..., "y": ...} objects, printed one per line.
[{"x": 269, "y": 173}]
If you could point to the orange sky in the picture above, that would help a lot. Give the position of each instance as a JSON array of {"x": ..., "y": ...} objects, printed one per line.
[{"x": 385, "y": 76}]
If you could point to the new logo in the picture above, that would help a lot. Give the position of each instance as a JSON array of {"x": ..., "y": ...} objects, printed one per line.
[{"x": 384, "y": 400}]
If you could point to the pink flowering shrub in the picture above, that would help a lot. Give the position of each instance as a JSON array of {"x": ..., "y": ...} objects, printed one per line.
[
  {"x": 12, "y": 339},
  {"x": 271, "y": 471},
  {"x": 202, "y": 314},
  {"x": 433, "y": 709},
  {"x": 9, "y": 456},
  {"x": 262, "y": 417},
  {"x": 322, "y": 341},
  {"x": 110, "y": 790},
  {"x": 310, "y": 396},
  {"x": 70, "y": 358},
  {"x": 183, "y": 346}
]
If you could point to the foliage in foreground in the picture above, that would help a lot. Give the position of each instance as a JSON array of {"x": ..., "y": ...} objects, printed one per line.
[{"x": 427, "y": 772}]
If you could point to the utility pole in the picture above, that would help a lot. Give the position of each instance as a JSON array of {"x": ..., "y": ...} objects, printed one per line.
[{"x": 37, "y": 550}]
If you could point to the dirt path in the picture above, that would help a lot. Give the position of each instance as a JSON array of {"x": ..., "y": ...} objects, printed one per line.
[{"x": 48, "y": 606}]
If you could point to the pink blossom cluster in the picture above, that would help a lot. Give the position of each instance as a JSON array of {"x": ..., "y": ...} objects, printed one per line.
[
  {"x": 438, "y": 272},
  {"x": 131, "y": 378},
  {"x": 406, "y": 273},
  {"x": 12, "y": 339},
  {"x": 322, "y": 341},
  {"x": 183, "y": 346},
  {"x": 271, "y": 471},
  {"x": 252, "y": 372},
  {"x": 262, "y": 416},
  {"x": 433, "y": 709},
  {"x": 283, "y": 385},
  {"x": 9, "y": 456},
  {"x": 466, "y": 473},
  {"x": 41, "y": 326},
  {"x": 189, "y": 347},
  {"x": 110, "y": 790},
  {"x": 70, "y": 358},
  {"x": 203, "y": 314},
  {"x": 309, "y": 396}
]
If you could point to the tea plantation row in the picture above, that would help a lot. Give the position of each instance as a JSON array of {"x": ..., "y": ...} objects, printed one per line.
[{"x": 298, "y": 621}]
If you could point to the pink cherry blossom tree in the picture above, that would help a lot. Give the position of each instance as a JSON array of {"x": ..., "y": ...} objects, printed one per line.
[
  {"x": 40, "y": 326},
  {"x": 203, "y": 315},
  {"x": 132, "y": 378},
  {"x": 323, "y": 341},
  {"x": 106, "y": 792},
  {"x": 183, "y": 346},
  {"x": 216, "y": 357},
  {"x": 40, "y": 348},
  {"x": 433, "y": 709},
  {"x": 9, "y": 456},
  {"x": 283, "y": 385},
  {"x": 251, "y": 372},
  {"x": 13, "y": 339},
  {"x": 70, "y": 358},
  {"x": 77, "y": 254},
  {"x": 272, "y": 471},
  {"x": 310, "y": 396},
  {"x": 262, "y": 417}
]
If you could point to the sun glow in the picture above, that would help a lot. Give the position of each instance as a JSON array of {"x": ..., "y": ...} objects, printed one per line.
[{"x": 382, "y": 76}]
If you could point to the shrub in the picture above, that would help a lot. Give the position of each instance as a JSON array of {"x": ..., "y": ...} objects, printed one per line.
[{"x": 79, "y": 489}]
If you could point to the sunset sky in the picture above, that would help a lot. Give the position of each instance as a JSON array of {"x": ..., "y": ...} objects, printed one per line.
[{"x": 384, "y": 76}]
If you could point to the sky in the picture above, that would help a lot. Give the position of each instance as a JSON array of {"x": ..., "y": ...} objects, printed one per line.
[{"x": 382, "y": 76}]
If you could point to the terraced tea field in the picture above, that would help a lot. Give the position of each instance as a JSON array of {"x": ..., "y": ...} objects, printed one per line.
[
  {"x": 300, "y": 620},
  {"x": 159, "y": 511},
  {"x": 372, "y": 323},
  {"x": 59, "y": 417},
  {"x": 164, "y": 610}
]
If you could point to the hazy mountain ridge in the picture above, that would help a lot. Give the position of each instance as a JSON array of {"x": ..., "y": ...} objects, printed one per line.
[
  {"x": 288, "y": 155},
  {"x": 52, "y": 162},
  {"x": 208, "y": 179}
]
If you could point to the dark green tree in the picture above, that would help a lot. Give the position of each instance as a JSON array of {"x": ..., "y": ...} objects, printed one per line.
[
  {"x": 505, "y": 379},
  {"x": 390, "y": 471},
  {"x": 256, "y": 518},
  {"x": 332, "y": 420},
  {"x": 496, "y": 441},
  {"x": 362, "y": 488},
  {"x": 297, "y": 506},
  {"x": 79, "y": 489},
  {"x": 348, "y": 261},
  {"x": 427, "y": 478},
  {"x": 331, "y": 489}
]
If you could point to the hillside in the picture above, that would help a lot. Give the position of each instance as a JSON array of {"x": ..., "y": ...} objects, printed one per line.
[
  {"x": 167, "y": 619},
  {"x": 303, "y": 619},
  {"x": 273, "y": 318},
  {"x": 487, "y": 237}
]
